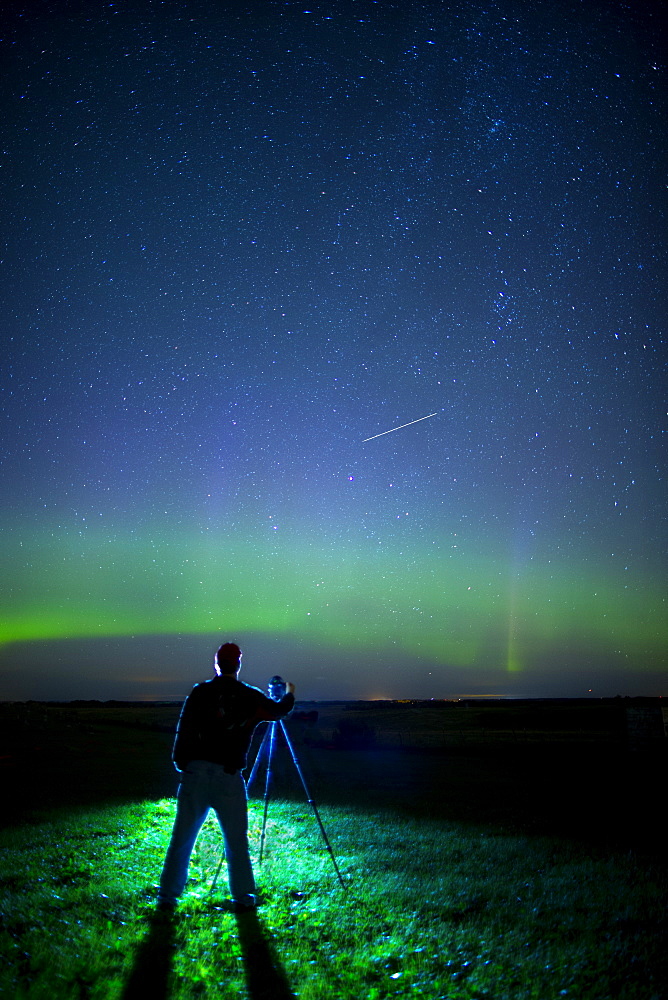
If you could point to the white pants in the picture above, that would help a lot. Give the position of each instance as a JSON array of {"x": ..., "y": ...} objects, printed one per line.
[{"x": 207, "y": 786}]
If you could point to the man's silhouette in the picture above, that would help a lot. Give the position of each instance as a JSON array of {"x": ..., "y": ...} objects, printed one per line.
[{"x": 212, "y": 740}]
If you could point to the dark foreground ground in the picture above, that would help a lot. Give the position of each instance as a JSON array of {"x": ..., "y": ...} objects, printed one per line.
[{"x": 564, "y": 768}]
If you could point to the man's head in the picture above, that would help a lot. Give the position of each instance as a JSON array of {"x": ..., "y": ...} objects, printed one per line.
[{"x": 228, "y": 659}]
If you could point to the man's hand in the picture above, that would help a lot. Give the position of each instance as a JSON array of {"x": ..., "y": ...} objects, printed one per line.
[{"x": 290, "y": 688}]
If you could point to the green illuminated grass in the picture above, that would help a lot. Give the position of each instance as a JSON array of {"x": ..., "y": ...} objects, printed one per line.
[{"x": 431, "y": 910}]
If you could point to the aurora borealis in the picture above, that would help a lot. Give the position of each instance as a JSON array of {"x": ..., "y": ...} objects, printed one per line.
[{"x": 239, "y": 244}]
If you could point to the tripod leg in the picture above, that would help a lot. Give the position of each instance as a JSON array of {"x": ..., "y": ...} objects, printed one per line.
[
  {"x": 215, "y": 877},
  {"x": 310, "y": 801},
  {"x": 267, "y": 786},
  {"x": 256, "y": 762}
]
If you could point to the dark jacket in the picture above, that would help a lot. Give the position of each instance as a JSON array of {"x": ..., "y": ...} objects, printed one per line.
[{"x": 217, "y": 722}]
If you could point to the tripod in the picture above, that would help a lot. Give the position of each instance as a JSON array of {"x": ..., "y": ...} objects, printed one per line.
[
  {"x": 267, "y": 745},
  {"x": 277, "y": 688}
]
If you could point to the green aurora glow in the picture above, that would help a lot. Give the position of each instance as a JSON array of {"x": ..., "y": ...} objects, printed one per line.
[{"x": 454, "y": 610}]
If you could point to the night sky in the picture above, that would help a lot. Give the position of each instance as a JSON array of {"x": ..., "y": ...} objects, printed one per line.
[{"x": 240, "y": 241}]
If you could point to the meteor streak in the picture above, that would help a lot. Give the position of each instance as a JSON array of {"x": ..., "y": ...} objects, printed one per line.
[{"x": 400, "y": 426}]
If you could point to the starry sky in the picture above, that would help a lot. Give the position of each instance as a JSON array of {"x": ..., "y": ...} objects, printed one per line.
[{"x": 240, "y": 241}]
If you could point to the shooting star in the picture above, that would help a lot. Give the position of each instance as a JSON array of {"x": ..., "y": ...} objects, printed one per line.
[{"x": 400, "y": 427}]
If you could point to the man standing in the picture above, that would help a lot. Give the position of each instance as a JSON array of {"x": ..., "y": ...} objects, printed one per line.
[{"x": 212, "y": 740}]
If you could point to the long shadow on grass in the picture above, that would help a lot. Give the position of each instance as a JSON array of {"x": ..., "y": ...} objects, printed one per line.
[
  {"x": 153, "y": 962},
  {"x": 265, "y": 976}
]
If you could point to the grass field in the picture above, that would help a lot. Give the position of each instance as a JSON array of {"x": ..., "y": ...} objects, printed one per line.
[{"x": 466, "y": 877}]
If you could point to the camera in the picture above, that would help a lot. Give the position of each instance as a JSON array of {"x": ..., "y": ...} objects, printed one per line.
[{"x": 277, "y": 687}]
